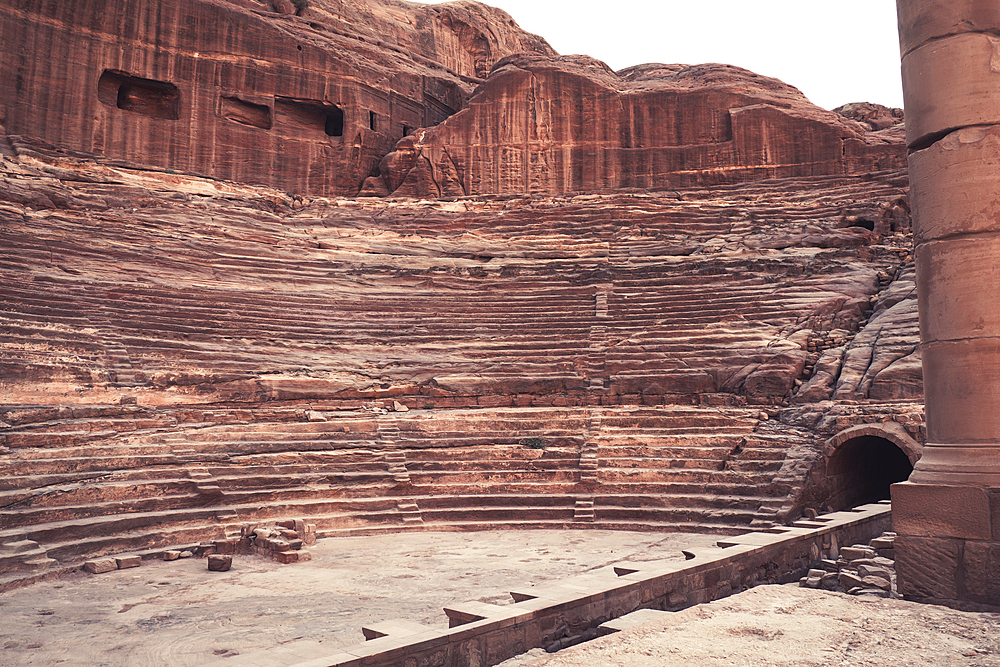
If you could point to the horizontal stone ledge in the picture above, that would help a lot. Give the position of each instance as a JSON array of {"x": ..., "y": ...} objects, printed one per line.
[{"x": 397, "y": 627}]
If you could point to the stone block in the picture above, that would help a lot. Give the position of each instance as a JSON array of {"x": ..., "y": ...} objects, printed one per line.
[
  {"x": 849, "y": 580},
  {"x": 948, "y": 83},
  {"x": 928, "y": 567},
  {"x": 219, "y": 563},
  {"x": 881, "y": 543},
  {"x": 937, "y": 510},
  {"x": 877, "y": 582},
  {"x": 100, "y": 565},
  {"x": 171, "y": 554},
  {"x": 225, "y": 547},
  {"x": 856, "y": 552},
  {"x": 923, "y": 20},
  {"x": 874, "y": 571},
  {"x": 982, "y": 571},
  {"x": 127, "y": 561},
  {"x": 956, "y": 278},
  {"x": 994, "y": 497},
  {"x": 953, "y": 182},
  {"x": 286, "y": 556}
]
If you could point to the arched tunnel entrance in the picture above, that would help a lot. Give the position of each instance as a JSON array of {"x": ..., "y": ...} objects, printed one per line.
[{"x": 861, "y": 470}]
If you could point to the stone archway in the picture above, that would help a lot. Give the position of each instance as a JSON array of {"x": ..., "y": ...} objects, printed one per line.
[{"x": 863, "y": 461}]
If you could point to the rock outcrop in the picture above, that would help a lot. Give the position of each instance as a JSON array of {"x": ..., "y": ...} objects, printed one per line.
[
  {"x": 874, "y": 116},
  {"x": 556, "y": 125},
  {"x": 238, "y": 91}
]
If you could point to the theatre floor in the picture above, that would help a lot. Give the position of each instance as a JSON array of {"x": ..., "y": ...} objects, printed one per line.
[{"x": 179, "y": 613}]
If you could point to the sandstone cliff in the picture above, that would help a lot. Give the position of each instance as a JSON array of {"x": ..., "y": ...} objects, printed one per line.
[
  {"x": 553, "y": 125},
  {"x": 238, "y": 91}
]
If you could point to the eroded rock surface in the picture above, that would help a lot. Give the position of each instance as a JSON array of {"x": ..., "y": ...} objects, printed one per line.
[
  {"x": 556, "y": 125},
  {"x": 303, "y": 101}
]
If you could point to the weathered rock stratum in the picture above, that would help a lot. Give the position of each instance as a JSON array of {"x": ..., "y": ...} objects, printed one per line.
[
  {"x": 555, "y": 125},
  {"x": 239, "y": 91},
  {"x": 350, "y": 95}
]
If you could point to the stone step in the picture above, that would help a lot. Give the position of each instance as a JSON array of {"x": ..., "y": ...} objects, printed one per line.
[{"x": 14, "y": 547}]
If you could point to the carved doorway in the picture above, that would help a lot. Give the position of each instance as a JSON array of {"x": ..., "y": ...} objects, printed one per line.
[{"x": 861, "y": 469}]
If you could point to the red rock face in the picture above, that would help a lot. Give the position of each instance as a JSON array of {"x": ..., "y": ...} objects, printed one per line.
[
  {"x": 555, "y": 125},
  {"x": 236, "y": 91}
]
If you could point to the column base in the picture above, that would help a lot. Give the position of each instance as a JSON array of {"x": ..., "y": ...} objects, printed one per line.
[
  {"x": 959, "y": 464},
  {"x": 947, "y": 544}
]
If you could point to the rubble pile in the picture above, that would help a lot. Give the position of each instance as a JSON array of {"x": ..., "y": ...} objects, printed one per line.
[{"x": 861, "y": 569}]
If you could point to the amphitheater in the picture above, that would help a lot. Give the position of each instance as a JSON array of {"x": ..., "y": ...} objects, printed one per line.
[{"x": 184, "y": 357}]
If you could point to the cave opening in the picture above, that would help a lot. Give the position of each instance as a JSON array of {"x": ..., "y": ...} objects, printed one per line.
[
  {"x": 156, "y": 99},
  {"x": 862, "y": 469},
  {"x": 245, "y": 113},
  {"x": 309, "y": 116},
  {"x": 334, "y": 126},
  {"x": 372, "y": 120}
]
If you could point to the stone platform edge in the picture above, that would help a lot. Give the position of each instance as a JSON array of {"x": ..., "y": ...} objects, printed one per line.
[{"x": 572, "y": 608}]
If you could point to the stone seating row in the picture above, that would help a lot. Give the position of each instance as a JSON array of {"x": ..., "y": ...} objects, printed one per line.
[{"x": 340, "y": 475}]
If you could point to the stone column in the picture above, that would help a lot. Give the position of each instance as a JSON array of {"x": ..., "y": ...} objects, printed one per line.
[{"x": 947, "y": 514}]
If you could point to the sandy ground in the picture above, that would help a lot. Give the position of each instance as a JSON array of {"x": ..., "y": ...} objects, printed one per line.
[
  {"x": 180, "y": 614},
  {"x": 788, "y": 626}
]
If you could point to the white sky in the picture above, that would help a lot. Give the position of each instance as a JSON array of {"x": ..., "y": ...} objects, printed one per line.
[{"x": 834, "y": 52}]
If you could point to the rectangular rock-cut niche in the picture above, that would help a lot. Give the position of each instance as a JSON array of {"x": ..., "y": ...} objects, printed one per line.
[
  {"x": 245, "y": 113},
  {"x": 156, "y": 99},
  {"x": 309, "y": 117}
]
